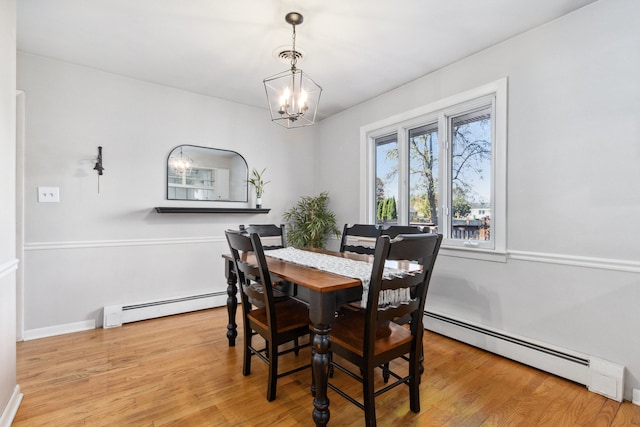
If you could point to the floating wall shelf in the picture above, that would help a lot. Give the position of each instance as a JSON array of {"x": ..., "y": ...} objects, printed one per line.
[{"x": 172, "y": 209}]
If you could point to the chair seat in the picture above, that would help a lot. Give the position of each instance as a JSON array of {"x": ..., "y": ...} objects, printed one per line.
[
  {"x": 290, "y": 315},
  {"x": 348, "y": 332}
]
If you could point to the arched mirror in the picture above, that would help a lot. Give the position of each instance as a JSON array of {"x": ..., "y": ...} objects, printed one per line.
[{"x": 201, "y": 173}]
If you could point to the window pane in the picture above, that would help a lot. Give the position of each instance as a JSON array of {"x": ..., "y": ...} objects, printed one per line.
[
  {"x": 387, "y": 163},
  {"x": 423, "y": 176},
  {"x": 470, "y": 184}
]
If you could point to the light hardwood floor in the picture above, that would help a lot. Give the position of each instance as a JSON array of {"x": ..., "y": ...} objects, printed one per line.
[{"x": 179, "y": 371}]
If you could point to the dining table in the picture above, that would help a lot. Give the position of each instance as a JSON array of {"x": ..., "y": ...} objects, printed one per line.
[{"x": 325, "y": 291}]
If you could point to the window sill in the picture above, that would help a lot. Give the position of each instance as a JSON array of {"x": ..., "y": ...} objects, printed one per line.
[{"x": 477, "y": 254}]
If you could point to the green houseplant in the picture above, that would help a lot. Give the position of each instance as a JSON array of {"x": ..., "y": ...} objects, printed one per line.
[
  {"x": 310, "y": 222},
  {"x": 258, "y": 184}
]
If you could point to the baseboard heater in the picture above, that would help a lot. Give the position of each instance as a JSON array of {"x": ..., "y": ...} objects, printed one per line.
[
  {"x": 117, "y": 315},
  {"x": 600, "y": 376}
]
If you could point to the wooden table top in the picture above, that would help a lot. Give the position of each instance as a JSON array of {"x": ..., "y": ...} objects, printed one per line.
[{"x": 311, "y": 278}]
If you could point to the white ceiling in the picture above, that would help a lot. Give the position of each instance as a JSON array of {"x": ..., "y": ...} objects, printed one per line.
[{"x": 355, "y": 49}]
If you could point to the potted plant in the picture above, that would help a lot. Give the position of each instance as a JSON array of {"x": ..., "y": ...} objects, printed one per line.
[
  {"x": 310, "y": 222},
  {"x": 258, "y": 183}
]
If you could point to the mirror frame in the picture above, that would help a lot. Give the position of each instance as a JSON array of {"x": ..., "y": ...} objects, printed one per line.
[{"x": 231, "y": 153}]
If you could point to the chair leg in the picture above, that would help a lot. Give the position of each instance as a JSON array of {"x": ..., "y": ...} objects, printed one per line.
[
  {"x": 313, "y": 377},
  {"x": 420, "y": 365},
  {"x": 369, "y": 400},
  {"x": 296, "y": 346},
  {"x": 246, "y": 364},
  {"x": 414, "y": 382},
  {"x": 385, "y": 372},
  {"x": 273, "y": 371}
]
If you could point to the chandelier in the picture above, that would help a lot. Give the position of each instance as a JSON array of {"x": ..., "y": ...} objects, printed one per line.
[
  {"x": 180, "y": 163},
  {"x": 292, "y": 95}
]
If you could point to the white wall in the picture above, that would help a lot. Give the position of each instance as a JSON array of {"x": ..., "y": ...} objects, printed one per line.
[
  {"x": 9, "y": 392},
  {"x": 92, "y": 250},
  {"x": 572, "y": 279}
]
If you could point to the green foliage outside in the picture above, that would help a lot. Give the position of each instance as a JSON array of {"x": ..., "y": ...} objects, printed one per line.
[
  {"x": 461, "y": 207},
  {"x": 386, "y": 210},
  {"x": 380, "y": 211},
  {"x": 421, "y": 209}
]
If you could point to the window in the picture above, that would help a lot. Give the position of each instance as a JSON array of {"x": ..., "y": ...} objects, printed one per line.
[
  {"x": 443, "y": 166},
  {"x": 386, "y": 178}
]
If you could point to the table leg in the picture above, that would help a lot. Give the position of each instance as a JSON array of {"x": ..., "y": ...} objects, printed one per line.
[
  {"x": 321, "y": 313},
  {"x": 320, "y": 366},
  {"x": 232, "y": 302}
]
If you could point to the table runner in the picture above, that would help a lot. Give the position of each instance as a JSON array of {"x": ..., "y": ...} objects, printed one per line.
[{"x": 346, "y": 267}]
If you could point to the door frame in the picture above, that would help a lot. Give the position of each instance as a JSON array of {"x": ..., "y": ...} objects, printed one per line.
[{"x": 20, "y": 197}]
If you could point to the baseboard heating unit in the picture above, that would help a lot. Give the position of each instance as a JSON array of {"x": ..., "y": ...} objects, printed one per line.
[
  {"x": 117, "y": 315},
  {"x": 600, "y": 376}
]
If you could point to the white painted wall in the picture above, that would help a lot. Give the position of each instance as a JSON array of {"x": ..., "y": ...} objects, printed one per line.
[
  {"x": 92, "y": 250},
  {"x": 573, "y": 154},
  {"x": 9, "y": 392}
]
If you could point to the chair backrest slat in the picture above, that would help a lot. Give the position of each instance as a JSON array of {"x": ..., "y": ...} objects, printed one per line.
[
  {"x": 391, "y": 313},
  {"x": 254, "y": 296},
  {"x": 351, "y": 233},
  {"x": 271, "y": 235},
  {"x": 394, "y": 230},
  {"x": 408, "y": 281}
]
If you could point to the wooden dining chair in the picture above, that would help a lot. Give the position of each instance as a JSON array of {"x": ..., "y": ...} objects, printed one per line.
[
  {"x": 278, "y": 322},
  {"x": 370, "y": 339},
  {"x": 351, "y": 233}
]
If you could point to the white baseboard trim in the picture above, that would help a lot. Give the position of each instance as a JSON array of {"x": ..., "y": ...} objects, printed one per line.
[
  {"x": 9, "y": 412},
  {"x": 117, "y": 315},
  {"x": 600, "y": 376},
  {"x": 67, "y": 328}
]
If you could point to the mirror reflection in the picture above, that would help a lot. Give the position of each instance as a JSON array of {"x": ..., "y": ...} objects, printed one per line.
[{"x": 201, "y": 173}]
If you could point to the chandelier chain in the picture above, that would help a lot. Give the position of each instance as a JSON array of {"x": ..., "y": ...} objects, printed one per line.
[{"x": 294, "y": 56}]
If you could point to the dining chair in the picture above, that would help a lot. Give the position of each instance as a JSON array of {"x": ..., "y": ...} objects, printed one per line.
[
  {"x": 277, "y": 322},
  {"x": 351, "y": 234},
  {"x": 370, "y": 339}
]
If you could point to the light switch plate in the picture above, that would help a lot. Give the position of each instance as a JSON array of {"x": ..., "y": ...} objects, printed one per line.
[{"x": 48, "y": 194}]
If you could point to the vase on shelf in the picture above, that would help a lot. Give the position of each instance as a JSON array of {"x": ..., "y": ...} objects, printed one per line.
[{"x": 258, "y": 202}]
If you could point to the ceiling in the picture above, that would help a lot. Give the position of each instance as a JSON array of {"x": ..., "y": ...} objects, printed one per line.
[{"x": 355, "y": 49}]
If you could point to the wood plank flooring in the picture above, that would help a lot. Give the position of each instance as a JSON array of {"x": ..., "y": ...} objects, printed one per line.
[{"x": 179, "y": 371}]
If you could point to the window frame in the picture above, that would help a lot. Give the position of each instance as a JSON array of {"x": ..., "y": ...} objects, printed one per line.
[{"x": 441, "y": 111}]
